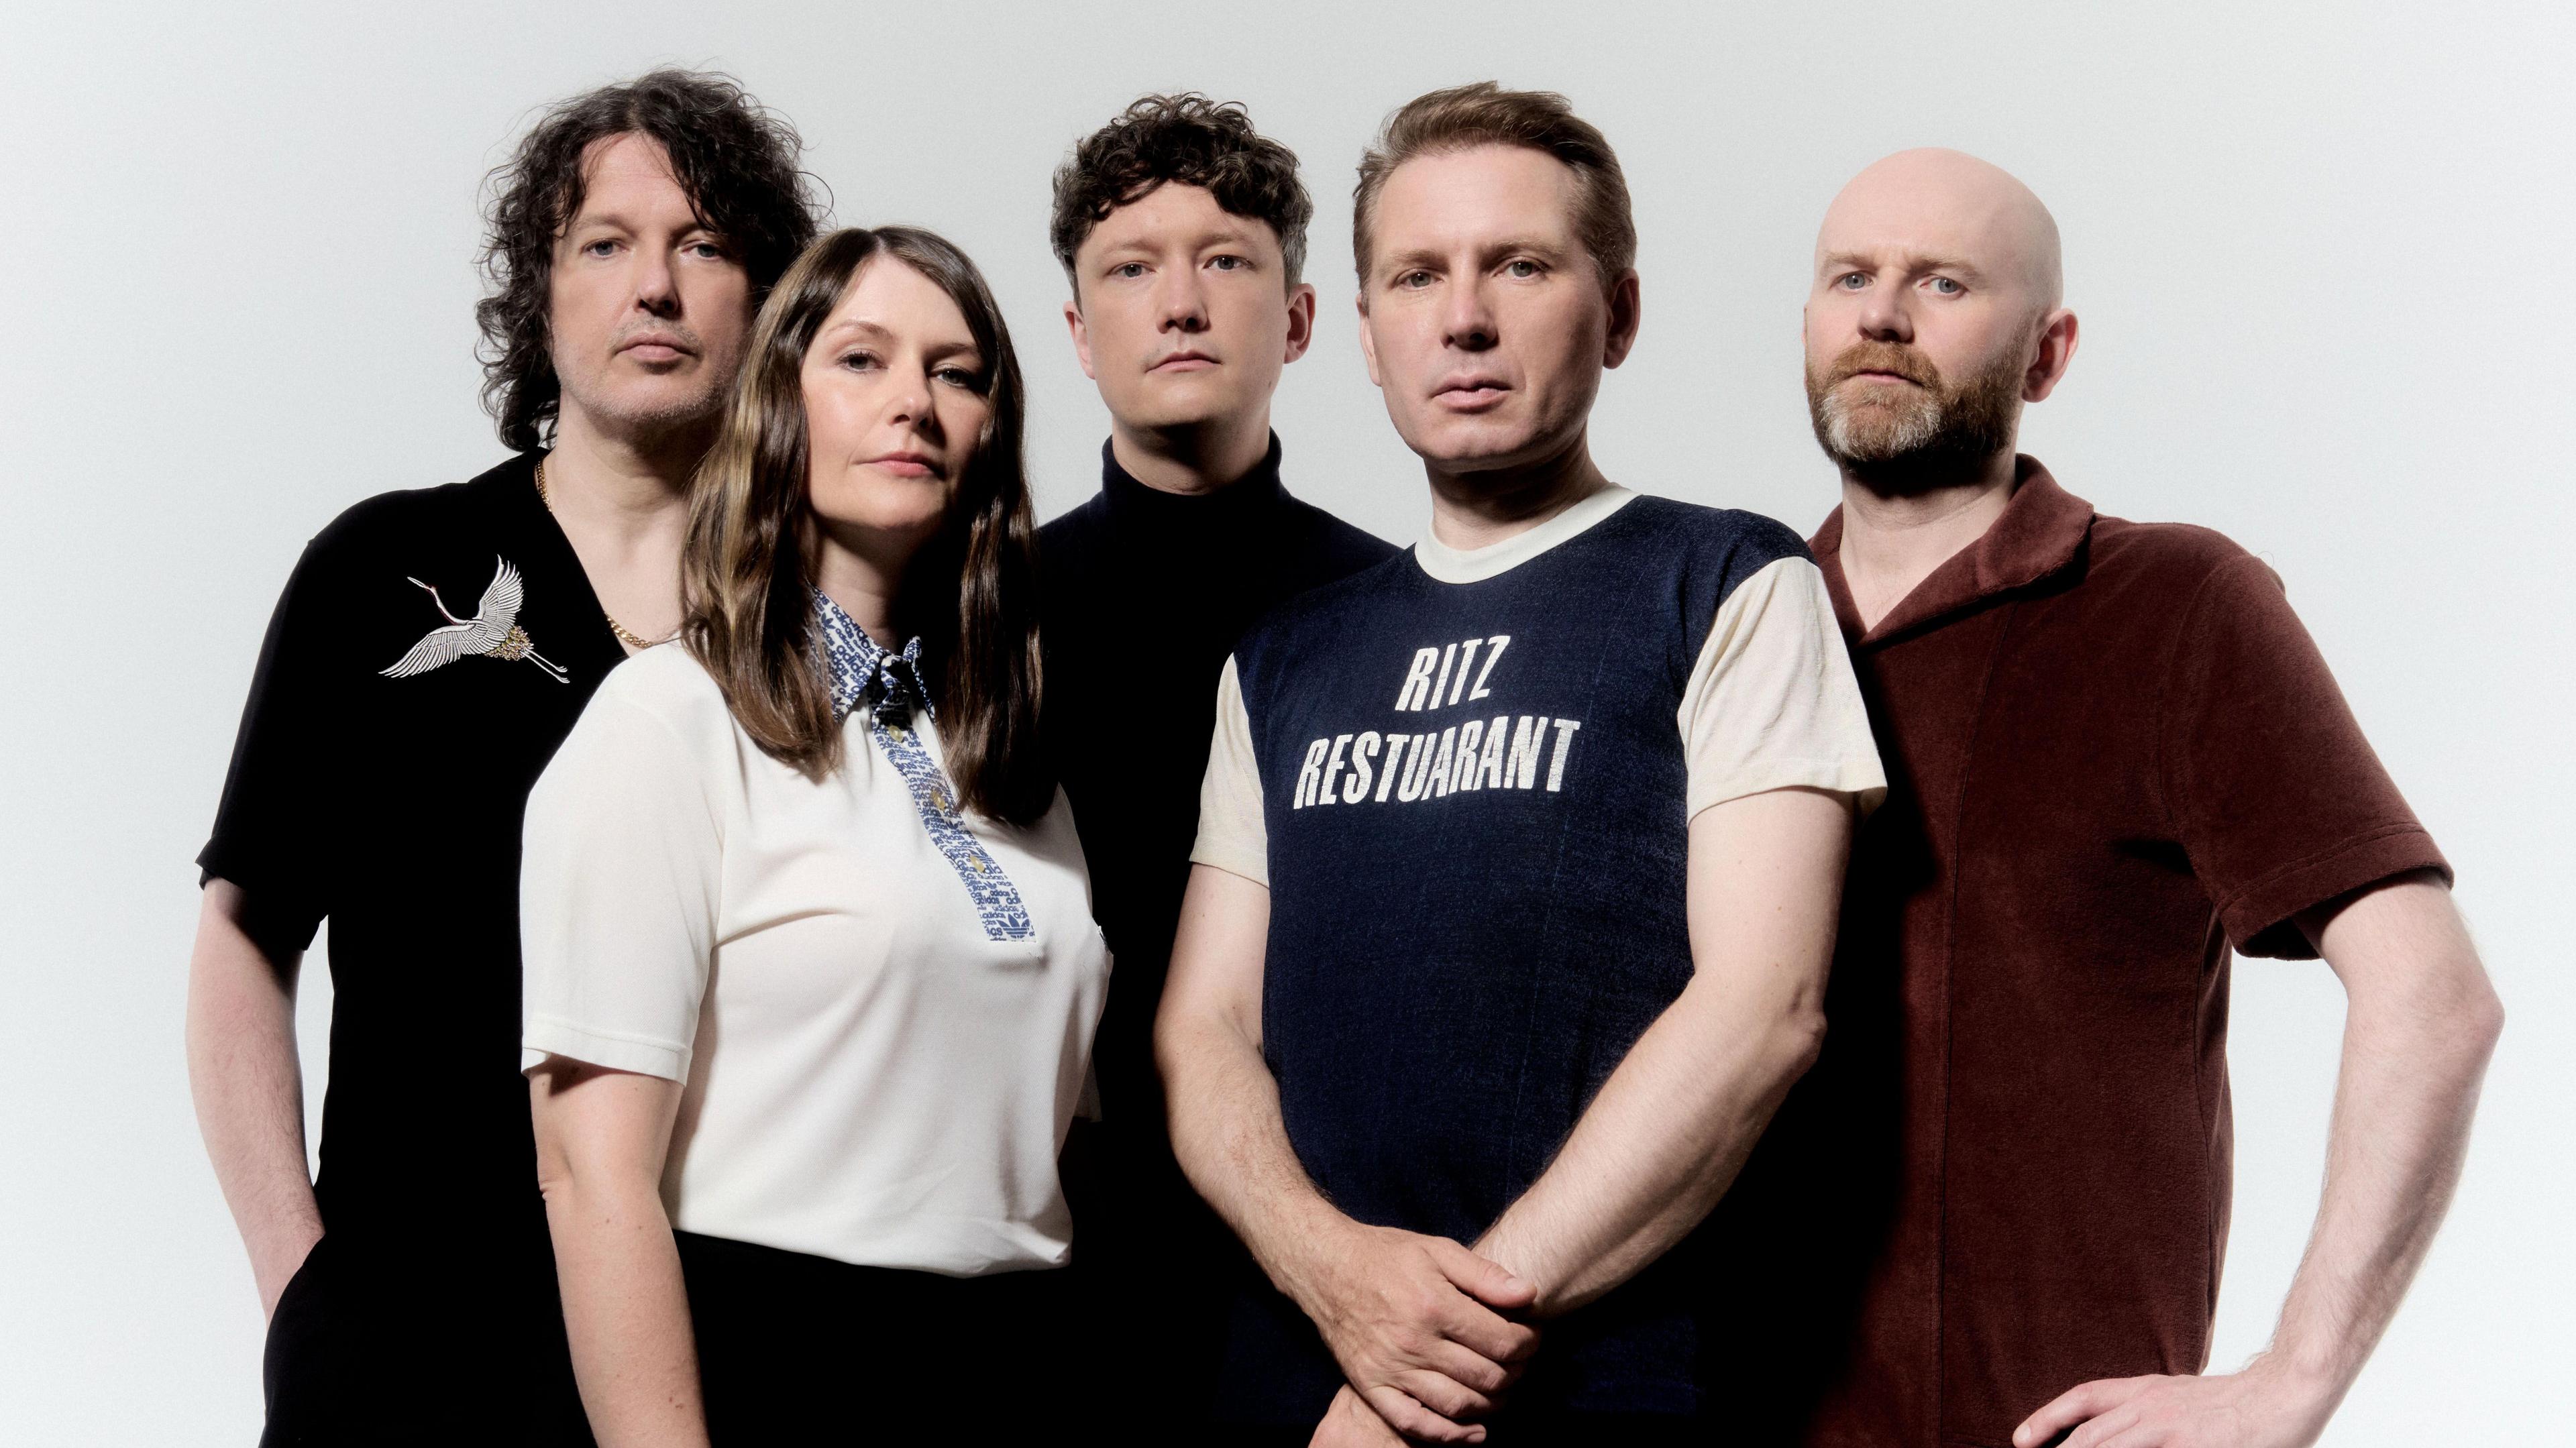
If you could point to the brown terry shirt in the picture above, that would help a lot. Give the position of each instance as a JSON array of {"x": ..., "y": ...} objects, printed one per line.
[{"x": 2112, "y": 753}]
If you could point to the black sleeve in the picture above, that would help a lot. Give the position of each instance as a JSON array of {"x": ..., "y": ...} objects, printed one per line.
[{"x": 270, "y": 832}]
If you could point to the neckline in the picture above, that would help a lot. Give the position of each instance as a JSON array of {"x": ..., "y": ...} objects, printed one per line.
[
  {"x": 2041, "y": 530},
  {"x": 540, "y": 523},
  {"x": 1249, "y": 497},
  {"x": 1474, "y": 565}
]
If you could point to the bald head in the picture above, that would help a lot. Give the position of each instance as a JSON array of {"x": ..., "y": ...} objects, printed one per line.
[
  {"x": 1934, "y": 314},
  {"x": 1949, "y": 206}
]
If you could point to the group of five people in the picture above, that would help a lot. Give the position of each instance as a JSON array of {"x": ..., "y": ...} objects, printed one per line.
[{"x": 727, "y": 811}]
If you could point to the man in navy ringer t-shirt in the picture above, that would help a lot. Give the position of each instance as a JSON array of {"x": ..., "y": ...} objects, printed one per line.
[{"x": 1518, "y": 862}]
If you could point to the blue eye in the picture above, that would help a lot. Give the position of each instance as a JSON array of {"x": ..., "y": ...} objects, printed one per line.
[
  {"x": 1523, "y": 268},
  {"x": 1947, "y": 287},
  {"x": 1852, "y": 281}
]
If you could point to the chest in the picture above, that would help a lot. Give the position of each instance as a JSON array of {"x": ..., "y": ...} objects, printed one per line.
[
  {"x": 1469, "y": 698},
  {"x": 875, "y": 868},
  {"x": 454, "y": 672}
]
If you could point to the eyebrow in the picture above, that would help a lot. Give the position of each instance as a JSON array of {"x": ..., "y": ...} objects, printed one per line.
[
  {"x": 1913, "y": 262},
  {"x": 1490, "y": 252},
  {"x": 1150, "y": 242},
  {"x": 937, "y": 350}
]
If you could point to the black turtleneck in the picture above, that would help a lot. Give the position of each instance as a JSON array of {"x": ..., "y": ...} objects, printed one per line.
[{"x": 1145, "y": 593}]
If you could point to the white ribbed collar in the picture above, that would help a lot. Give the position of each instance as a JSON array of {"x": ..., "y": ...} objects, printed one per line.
[{"x": 1475, "y": 565}]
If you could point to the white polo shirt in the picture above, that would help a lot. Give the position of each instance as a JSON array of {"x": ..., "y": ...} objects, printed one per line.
[{"x": 881, "y": 1008}]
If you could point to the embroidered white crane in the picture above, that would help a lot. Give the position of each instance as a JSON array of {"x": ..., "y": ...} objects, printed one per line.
[{"x": 492, "y": 632}]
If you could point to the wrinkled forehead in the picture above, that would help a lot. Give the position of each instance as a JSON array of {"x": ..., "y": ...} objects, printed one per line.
[
  {"x": 1476, "y": 194},
  {"x": 1940, "y": 216}
]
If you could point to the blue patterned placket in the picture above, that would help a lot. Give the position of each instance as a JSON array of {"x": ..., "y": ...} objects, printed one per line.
[{"x": 889, "y": 686}]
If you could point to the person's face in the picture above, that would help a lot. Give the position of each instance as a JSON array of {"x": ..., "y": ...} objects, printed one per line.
[
  {"x": 1924, "y": 330},
  {"x": 648, "y": 310},
  {"x": 1182, "y": 311},
  {"x": 1484, "y": 322},
  {"x": 897, "y": 399}
]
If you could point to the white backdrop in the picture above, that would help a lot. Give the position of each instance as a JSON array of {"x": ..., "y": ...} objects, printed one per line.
[{"x": 2320, "y": 256}]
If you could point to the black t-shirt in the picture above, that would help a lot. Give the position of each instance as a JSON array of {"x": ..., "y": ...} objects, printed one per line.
[
  {"x": 1145, "y": 593},
  {"x": 384, "y": 761}
]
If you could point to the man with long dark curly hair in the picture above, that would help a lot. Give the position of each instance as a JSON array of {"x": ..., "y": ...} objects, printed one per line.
[
  {"x": 431, "y": 650},
  {"x": 1182, "y": 232}
]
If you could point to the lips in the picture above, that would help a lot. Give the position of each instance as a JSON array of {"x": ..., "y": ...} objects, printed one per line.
[
  {"x": 1471, "y": 392},
  {"x": 907, "y": 464},
  {"x": 1184, "y": 361},
  {"x": 657, "y": 346}
]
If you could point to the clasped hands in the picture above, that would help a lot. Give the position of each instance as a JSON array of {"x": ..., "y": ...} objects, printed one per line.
[{"x": 1417, "y": 1325}]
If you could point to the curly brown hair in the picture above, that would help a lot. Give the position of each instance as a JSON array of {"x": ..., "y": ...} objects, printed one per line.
[
  {"x": 1485, "y": 114},
  {"x": 1194, "y": 141},
  {"x": 736, "y": 160}
]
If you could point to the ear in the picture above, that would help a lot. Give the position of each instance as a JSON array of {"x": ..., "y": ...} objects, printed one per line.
[
  {"x": 1081, "y": 337},
  {"x": 1368, "y": 340},
  {"x": 2056, "y": 350},
  {"x": 1624, "y": 319},
  {"x": 1301, "y": 320}
]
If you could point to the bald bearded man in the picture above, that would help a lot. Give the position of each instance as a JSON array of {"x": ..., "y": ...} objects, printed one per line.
[{"x": 2113, "y": 753}]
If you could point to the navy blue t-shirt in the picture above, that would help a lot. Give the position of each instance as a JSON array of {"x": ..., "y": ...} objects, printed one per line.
[{"x": 1474, "y": 805}]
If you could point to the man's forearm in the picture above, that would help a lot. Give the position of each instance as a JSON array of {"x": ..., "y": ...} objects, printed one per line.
[
  {"x": 248, "y": 1085},
  {"x": 1233, "y": 1146},
  {"x": 1657, "y": 1148},
  {"x": 2417, "y": 1036},
  {"x": 1668, "y": 1131}
]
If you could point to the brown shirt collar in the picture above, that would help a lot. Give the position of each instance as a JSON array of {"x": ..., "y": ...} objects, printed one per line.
[{"x": 2042, "y": 530}]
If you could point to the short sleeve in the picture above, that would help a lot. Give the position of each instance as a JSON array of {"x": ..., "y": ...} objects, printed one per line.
[
  {"x": 1232, "y": 836},
  {"x": 1772, "y": 702},
  {"x": 618, "y": 886},
  {"x": 271, "y": 834},
  {"x": 2276, "y": 797}
]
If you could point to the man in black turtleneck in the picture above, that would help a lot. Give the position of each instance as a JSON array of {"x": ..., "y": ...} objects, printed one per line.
[{"x": 1183, "y": 232}]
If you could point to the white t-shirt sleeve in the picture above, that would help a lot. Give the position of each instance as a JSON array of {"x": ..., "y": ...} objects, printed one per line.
[
  {"x": 618, "y": 885},
  {"x": 1772, "y": 703},
  {"x": 1232, "y": 836}
]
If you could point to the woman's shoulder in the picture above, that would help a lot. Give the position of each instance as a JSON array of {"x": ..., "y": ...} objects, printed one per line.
[{"x": 667, "y": 683}]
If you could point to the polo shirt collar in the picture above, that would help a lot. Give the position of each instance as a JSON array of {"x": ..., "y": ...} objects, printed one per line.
[
  {"x": 866, "y": 672},
  {"x": 2042, "y": 530}
]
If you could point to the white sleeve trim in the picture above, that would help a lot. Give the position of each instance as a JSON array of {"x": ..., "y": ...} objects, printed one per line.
[
  {"x": 545, "y": 1036},
  {"x": 1772, "y": 702},
  {"x": 1233, "y": 837}
]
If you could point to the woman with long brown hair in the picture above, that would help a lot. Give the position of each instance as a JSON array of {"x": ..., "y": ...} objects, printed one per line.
[{"x": 811, "y": 971}]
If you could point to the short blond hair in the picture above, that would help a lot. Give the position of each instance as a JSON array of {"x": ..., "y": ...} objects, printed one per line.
[{"x": 1485, "y": 114}]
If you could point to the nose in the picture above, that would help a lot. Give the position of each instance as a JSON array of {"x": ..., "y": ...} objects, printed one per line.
[
  {"x": 907, "y": 402},
  {"x": 1181, "y": 302},
  {"x": 1467, "y": 320},
  {"x": 657, "y": 289},
  {"x": 1883, "y": 315}
]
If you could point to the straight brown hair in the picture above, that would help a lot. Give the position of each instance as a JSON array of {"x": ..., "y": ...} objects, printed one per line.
[
  {"x": 1484, "y": 114},
  {"x": 971, "y": 595}
]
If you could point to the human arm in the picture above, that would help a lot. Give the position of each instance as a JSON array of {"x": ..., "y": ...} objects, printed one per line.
[
  {"x": 602, "y": 1136},
  {"x": 248, "y": 1085},
  {"x": 2419, "y": 1025},
  {"x": 1412, "y": 1320},
  {"x": 1668, "y": 1131}
]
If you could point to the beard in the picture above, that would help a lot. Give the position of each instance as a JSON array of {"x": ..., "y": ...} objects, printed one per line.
[
  {"x": 1922, "y": 437},
  {"x": 649, "y": 409}
]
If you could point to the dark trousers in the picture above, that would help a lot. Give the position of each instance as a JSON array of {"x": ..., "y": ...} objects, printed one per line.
[
  {"x": 395, "y": 1341},
  {"x": 795, "y": 1349}
]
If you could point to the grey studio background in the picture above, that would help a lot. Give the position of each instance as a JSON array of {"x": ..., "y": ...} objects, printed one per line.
[{"x": 2320, "y": 254}]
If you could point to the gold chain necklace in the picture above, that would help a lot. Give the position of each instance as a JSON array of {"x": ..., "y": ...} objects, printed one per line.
[{"x": 624, "y": 635}]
